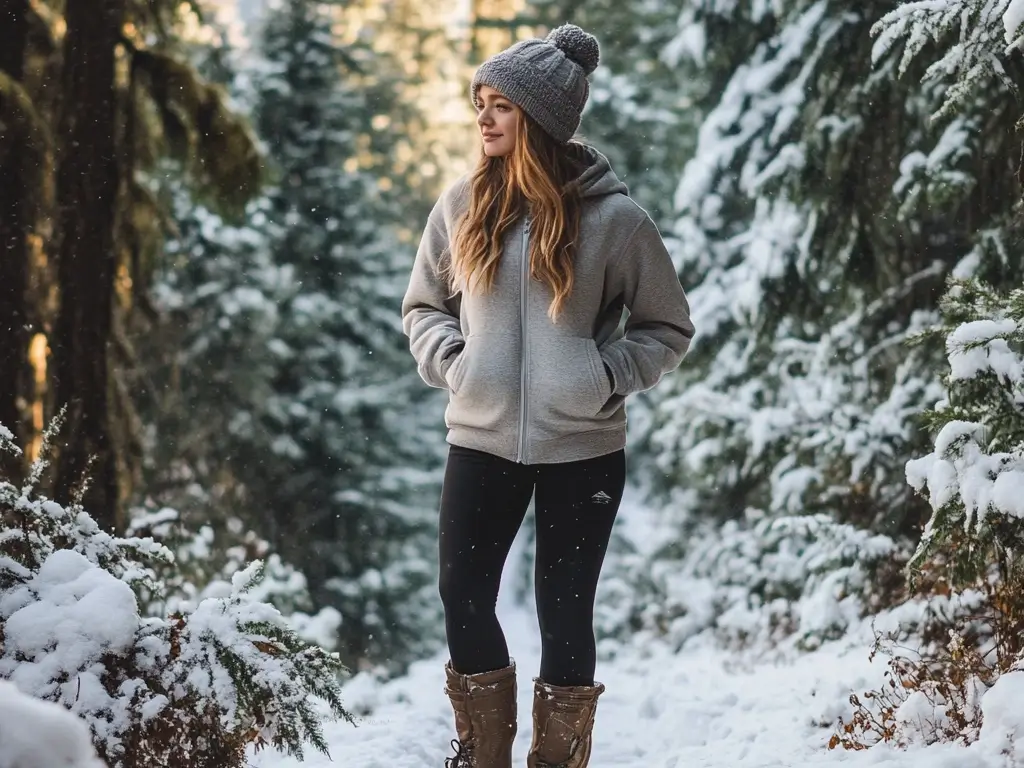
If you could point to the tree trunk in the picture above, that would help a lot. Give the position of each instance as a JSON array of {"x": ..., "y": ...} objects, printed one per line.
[
  {"x": 87, "y": 193},
  {"x": 13, "y": 228}
]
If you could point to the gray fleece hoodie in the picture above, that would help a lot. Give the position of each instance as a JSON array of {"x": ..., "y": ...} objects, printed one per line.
[{"x": 526, "y": 388}]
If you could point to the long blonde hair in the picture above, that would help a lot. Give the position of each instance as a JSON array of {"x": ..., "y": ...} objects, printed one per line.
[{"x": 537, "y": 178}]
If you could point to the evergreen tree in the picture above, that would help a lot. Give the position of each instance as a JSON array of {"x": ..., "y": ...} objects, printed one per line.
[
  {"x": 206, "y": 358},
  {"x": 342, "y": 484},
  {"x": 209, "y": 363},
  {"x": 290, "y": 404},
  {"x": 819, "y": 216},
  {"x": 972, "y": 477}
]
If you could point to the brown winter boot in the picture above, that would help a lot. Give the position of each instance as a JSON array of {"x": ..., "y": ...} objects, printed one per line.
[
  {"x": 485, "y": 717},
  {"x": 563, "y": 723}
]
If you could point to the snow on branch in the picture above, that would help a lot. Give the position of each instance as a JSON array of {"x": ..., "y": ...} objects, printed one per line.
[
  {"x": 970, "y": 35},
  {"x": 7, "y": 441},
  {"x": 1013, "y": 19}
]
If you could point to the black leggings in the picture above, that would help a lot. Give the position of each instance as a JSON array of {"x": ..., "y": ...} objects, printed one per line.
[{"x": 483, "y": 503}]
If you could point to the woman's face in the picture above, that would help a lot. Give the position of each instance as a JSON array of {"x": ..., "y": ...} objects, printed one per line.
[{"x": 497, "y": 118}]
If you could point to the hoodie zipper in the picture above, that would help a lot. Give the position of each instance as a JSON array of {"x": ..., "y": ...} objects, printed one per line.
[{"x": 524, "y": 368}]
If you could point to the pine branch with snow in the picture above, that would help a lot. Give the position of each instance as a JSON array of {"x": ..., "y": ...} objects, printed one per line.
[
  {"x": 983, "y": 31},
  {"x": 204, "y": 565},
  {"x": 974, "y": 478},
  {"x": 275, "y": 677},
  {"x": 197, "y": 686},
  {"x": 38, "y": 527}
]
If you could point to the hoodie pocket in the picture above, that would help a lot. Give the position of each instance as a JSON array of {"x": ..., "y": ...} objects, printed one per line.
[
  {"x": 453, "y": 376},
  {"x": 484, "y": 384},
  {"x": 568, "y": 386}
]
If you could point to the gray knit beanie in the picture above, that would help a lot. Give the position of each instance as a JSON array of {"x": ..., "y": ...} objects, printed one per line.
[{"x": 546, "y": 78}]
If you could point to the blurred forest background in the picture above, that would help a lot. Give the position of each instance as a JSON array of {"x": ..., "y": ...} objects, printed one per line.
[{"x": 208, "y": 212}]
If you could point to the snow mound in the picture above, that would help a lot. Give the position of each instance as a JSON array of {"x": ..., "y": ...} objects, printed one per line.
[
  {"x": 55, "y": 645},
  {"x": 1002, "y": 729},
  {"x": 39, "y": 734}
]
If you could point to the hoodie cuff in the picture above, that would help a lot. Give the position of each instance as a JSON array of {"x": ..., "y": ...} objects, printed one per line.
[
  {"x": 614, "y": 364},
  {"x": 610, "y": 375},
  {"x": 448, "y": 359}
]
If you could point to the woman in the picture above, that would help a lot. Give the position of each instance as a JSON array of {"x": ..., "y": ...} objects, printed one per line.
[{"x": 514, "y": 307}]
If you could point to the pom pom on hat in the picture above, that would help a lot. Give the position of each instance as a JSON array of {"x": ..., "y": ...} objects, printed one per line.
[{"x": 577, "y": 45}]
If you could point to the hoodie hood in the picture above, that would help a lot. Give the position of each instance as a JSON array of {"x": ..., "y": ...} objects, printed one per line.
[{"x": 596, "y": 177}]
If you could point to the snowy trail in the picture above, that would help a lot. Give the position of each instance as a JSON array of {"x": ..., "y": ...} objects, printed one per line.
[
  {"x": 689, "y": 711},
  {"x": 702, "y": 708}
]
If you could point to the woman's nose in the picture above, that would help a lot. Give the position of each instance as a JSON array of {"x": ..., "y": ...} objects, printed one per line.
[{"x": 483, "y": 118}]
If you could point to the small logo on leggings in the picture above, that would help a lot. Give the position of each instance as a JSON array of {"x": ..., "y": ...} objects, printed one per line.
[{"x": 600, "y": 498}]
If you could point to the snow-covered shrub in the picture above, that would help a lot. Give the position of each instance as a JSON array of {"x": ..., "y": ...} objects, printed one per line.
[
  {"x": 924, "y": 700},
  {"x": 203, "y": 567},
  {"x": 801, "y": 579},
  {"x": 191, "y": 688},
  {"x": 974, "y": 478},
  {"x": 971, "y": 546},
  {"x": 38, "y": 734},
  {"x": 946, "y": 649}
]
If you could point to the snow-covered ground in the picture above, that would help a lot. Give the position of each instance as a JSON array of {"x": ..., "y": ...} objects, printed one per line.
[
  {"x": 696, "y": 710},
  {"x": 701, "y": 708}
]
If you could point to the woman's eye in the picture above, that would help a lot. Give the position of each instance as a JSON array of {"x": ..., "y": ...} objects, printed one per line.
[{"x": 504, "y": 107}]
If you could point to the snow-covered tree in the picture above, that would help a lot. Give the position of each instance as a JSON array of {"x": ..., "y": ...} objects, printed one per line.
[
  {"x": 290, "y": 414},
  {"x": 825, "y": 204},
  {"x": 967, "y": 564},
  {"x": 348, "y": 480},
  {"x": 210, "y": 361},
  {"x": 207, "y": 361}
]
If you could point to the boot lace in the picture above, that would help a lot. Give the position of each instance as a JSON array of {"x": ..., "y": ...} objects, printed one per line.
[{"x": 463, "y": 756}]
